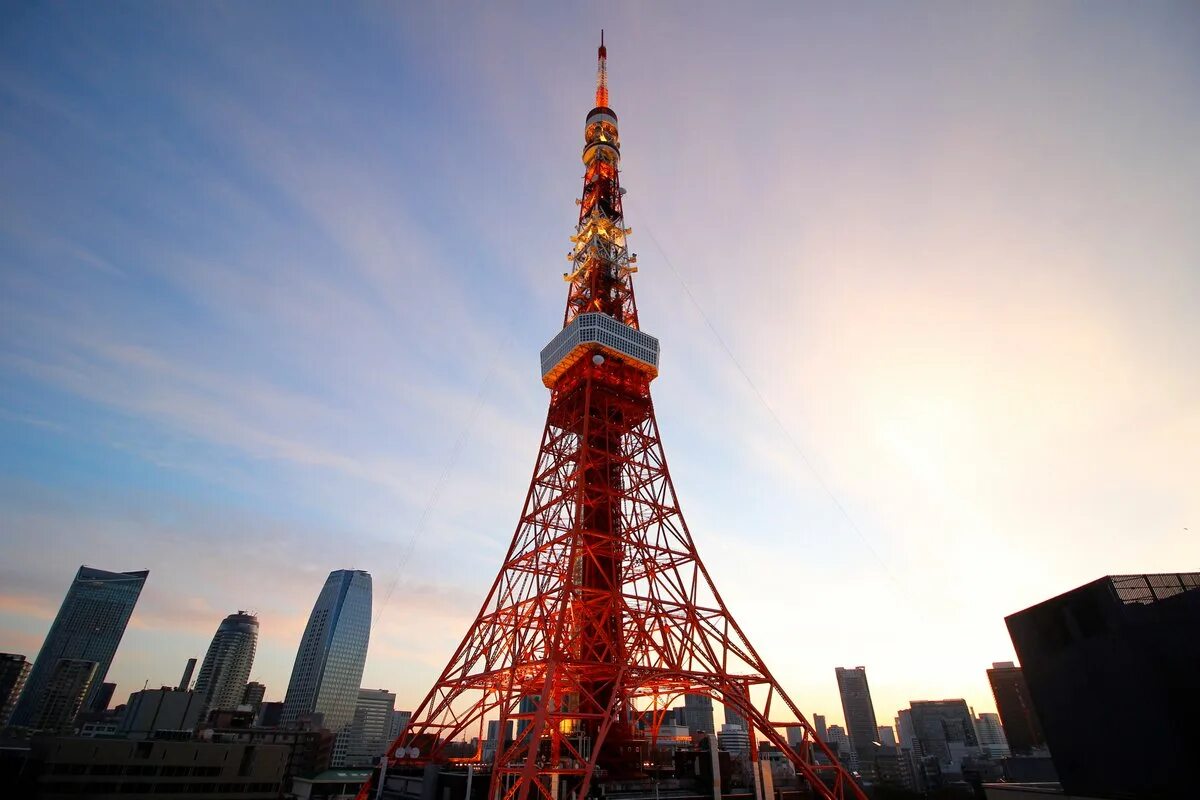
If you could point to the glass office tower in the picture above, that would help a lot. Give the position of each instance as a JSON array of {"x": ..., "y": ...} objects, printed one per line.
[
  {"x": 89, "y": 626},
  {"x": 329, "y": 663}
]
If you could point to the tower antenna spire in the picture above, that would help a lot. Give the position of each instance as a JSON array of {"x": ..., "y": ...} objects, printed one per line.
[{"x": 602, "y": 74}]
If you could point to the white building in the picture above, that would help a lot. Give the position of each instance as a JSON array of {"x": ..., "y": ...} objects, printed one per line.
[
  {"x": 991, "y": 736},
  {"x": 734, "y": 739},
  {"x": 367, "y": 736}
]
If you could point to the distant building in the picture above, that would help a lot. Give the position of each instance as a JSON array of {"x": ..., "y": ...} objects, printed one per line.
[
  {"x": 732, "y": 717},
  {"x": 227, "y": 664},
  {"x": 698, "y": 713},
  {"x": 253, "y": 694},
  {"x": 528, "y": 705},
  {"x": 152, "y": 712},
  {"x": 63, "y": 695},
  {"x": 88, "y": 627},
  {"x": 185, "y": 681},
  {"x": 368, "y": 734},
  {"x": 329, "y": 662},
  {"x": 819, "y": 726},
  {"x": 496, "y": 739},
  {"x": 1022, "y": 728},
  {"x": 90, "y": 767},
  {"x": 886, "y": 736},
  {"x": 399, "y": 723},
  {"x": 859, "y": 712},
  {"x": 102, "y": 699},
  {"x": 944, "y": 734},
  {"x": 904, "y": 729},
  {"x": 836, "y": 738},
  {"x": 991, "y": 735},
  {"x": 14, "y": 670},
  {"x": 795, "y": 735},
  {"x": 1112, "y": 671},
  {"x": 734, "y": 739}
]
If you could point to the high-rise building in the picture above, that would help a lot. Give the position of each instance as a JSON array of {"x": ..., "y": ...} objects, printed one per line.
[
  {"x": 14, "y": 670},
  {"x": 62, "y": 699},
  {"x": 329, "y": 662},
  {"x": 222, "y": 679},
  {"x": 1118, "y": 656},
  {"x": 732, "y": 717},
  {"x": 526, "y": 706},
  {"x": 1022, "y": 728},
  {"x": 369, "y": 733},
  {"x": 887, "y": 736},
  {"x": 945, "y": 730},
  {"x": 88, "y": 627},
  {"x": 102, "y": 699},
  {"x": 860, "y": 714},
  {"x": 819, "y": 726},
  {"x": 399, "y": 723},
  {"x": 837, "y": 739},
  {"x": 991, "y": 735},
  {"x": 698, "y": 713},
  {"x": 904, "y": 730},
  {"x": 253, "y": 695},
  {"x": 734, "y": 739},
  {"x": 185, "y": 681}
]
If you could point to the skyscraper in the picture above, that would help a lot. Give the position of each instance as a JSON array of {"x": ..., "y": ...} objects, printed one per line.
[
  {"x": 887, "y": 736},
  {"x": 944, "y": 729},
  {"x": 329, "y": 662},
  {"x": 698, "y": 713},
  {"x": 222, "y": 679},
  {"x": 14, "y": 670},
  {"x": 819, "y": 726},
  {"x": 859, "y": 712},
  {"x": 89, "y": 626},
  {"x": 1022, "y": 728},
  {"x": 63, "y": 695}
]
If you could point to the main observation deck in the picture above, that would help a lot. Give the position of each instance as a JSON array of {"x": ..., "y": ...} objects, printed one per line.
[{"x": 594, "y": 330}]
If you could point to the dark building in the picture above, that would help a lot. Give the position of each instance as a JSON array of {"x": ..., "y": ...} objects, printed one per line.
[
  {"x": 141, "y": 770},
  {"x": 159, "y": 713},
  {"x": 88, "y": 627},
  {"x": 14, "y": 669},
  {"x": 102, "y": 699},
  {"x": 859, "y": 712},
  {"x": 270, "y": 715},
  {"x": 1022, "y": 728},
  {"x": 253, "y": 695},
  {"x": 1112, "y": 671},
  {"x": 698, "y": 713},
  {"x": 943, "y": 739}
]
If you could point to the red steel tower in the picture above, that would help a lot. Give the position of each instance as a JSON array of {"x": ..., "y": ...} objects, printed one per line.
[{"x": 602, "y": 615}]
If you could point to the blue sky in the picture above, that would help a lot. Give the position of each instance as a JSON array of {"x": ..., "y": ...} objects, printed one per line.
[{"x": 273, "y": 281}]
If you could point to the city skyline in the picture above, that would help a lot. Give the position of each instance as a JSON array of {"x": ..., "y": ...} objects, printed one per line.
[{"x": 289, "y": 353}]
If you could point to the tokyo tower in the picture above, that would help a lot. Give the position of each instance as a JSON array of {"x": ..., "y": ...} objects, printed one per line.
[{"x": 602, "y": 615}]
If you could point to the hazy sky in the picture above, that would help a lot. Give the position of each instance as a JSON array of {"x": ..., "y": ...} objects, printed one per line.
[{"x": 274, "y": 278}]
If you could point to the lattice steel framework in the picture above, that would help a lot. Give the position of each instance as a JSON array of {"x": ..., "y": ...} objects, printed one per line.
[{"x": 602, "y": 615}]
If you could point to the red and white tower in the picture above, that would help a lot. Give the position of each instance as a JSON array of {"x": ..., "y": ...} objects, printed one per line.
[{"x": 602, "y": 616}]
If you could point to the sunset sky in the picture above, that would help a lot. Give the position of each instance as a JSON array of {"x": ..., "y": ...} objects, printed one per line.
[{"x": 274, "y": 278}]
